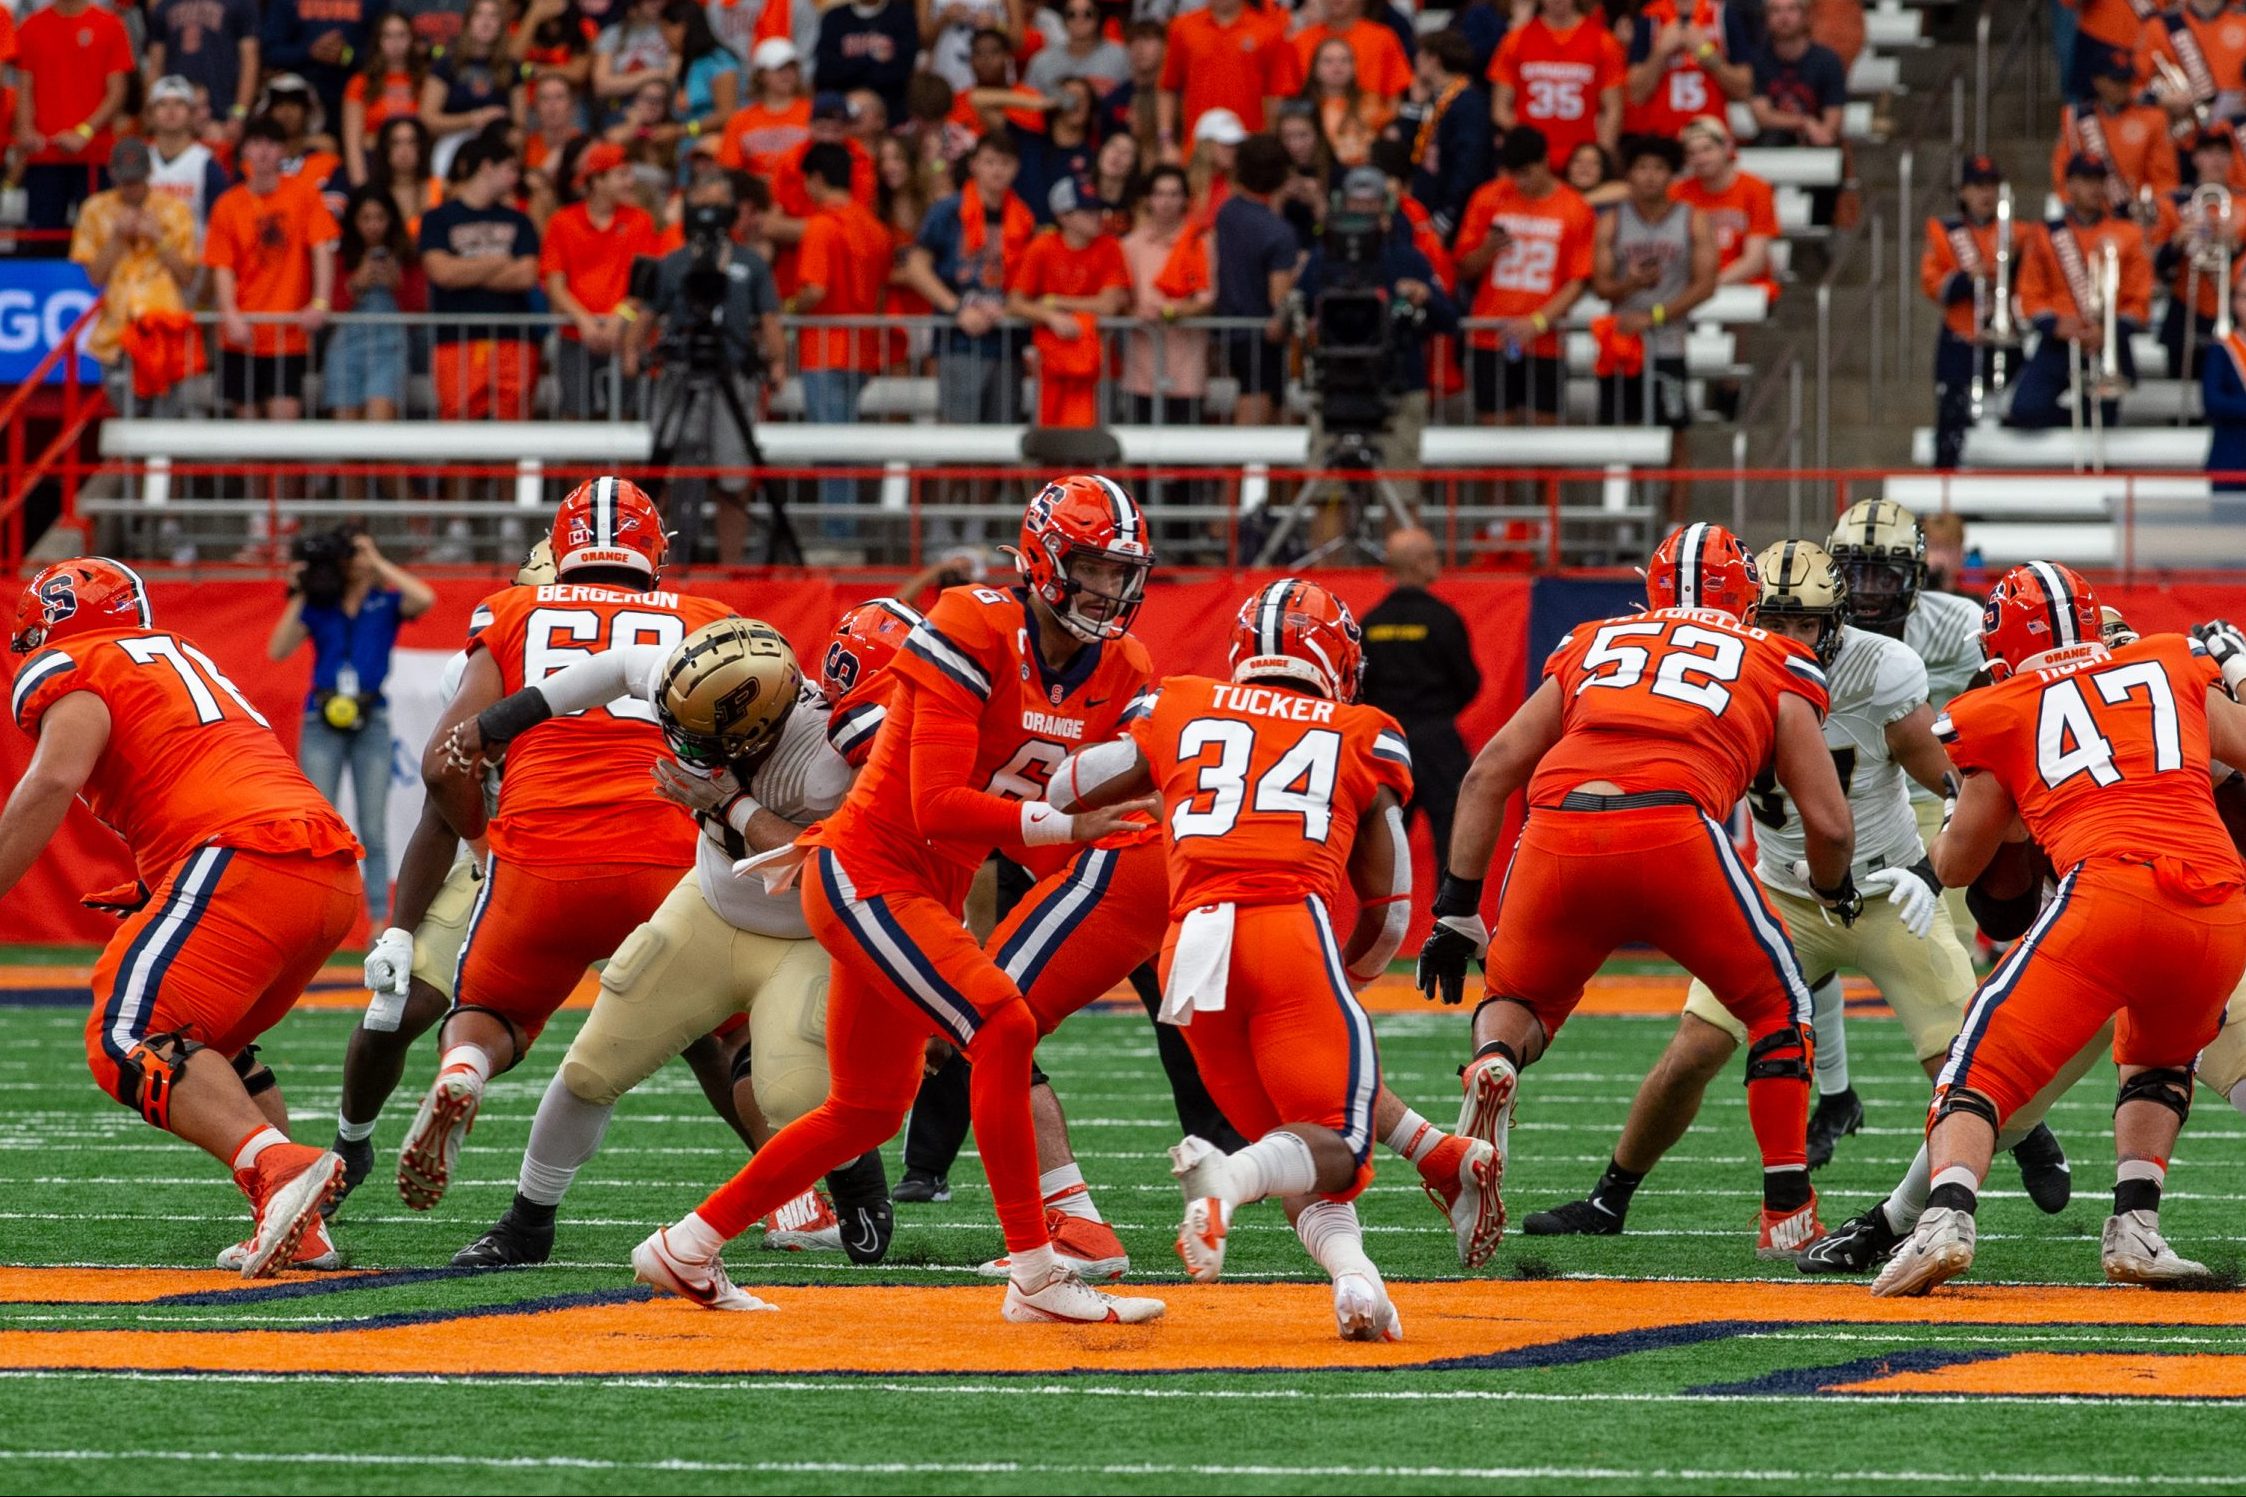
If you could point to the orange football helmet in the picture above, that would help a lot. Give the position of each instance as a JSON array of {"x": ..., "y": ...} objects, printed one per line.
[
  {"x": 2035, "y": 609},
  {"x": 78, "y": 596},
  {"x": 1704, "y": 566},
  {"x": 1298, "y": 630},
  {"x": 609, "y": 522},
  {"x": 1085, "y": 518}
]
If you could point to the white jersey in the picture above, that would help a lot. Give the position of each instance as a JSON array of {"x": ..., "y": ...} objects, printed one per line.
[
  {"x": 1944, "y": 632},
  {"x": 802, "y": 780},
  {"x": 187, "y": 177},
  {"x": 1874, "y": 682}
]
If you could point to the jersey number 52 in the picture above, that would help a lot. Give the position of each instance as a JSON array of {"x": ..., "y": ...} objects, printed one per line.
[{"x": 1694, "y": 671}]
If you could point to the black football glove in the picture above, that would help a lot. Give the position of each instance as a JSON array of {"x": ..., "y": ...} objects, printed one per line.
[{"x": 1459, "y": 936}]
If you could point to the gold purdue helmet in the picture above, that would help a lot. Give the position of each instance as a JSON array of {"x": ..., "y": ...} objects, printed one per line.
[
  {"x": 727, "y": 691},
  {"x": 538, "y": 567},
  {"x": 1877, "y": 545},
  {"x": 1800, "y": 581},
  {"x": 2113, "y": 629}
]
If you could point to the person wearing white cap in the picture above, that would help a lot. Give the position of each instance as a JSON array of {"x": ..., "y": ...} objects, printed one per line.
[
  {"x": 742, "y": 26},
  {"x": 777, "y": 118},
  {"x": 1221, "y": 126},
  {"x": 180, "y": 166}
]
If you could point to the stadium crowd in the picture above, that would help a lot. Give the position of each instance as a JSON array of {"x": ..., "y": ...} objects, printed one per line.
[{"x": 1007, "y": 170}]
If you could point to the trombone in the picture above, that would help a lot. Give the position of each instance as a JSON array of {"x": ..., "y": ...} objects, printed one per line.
[
  {"x": 2211, "y": 231},
  {"x": 2105, "y": 294},
  {"x": 2174, "y": 83},
  {"x": 1993, "y": 314}
]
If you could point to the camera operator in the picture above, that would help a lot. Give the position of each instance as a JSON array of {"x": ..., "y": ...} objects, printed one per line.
[
  {"x": 348, "y": 600},
  {"x": 713, "y": 322},
  {"x": 1364, "y": 246}
]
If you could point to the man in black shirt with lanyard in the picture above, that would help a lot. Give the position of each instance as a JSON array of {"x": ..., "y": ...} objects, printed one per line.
[{"x": 1419, "y": 669}]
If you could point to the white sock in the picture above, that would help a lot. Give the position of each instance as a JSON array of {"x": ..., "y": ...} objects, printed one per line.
[
  {"x": 1413, "y": 1137},
  {"x": 1828, "y": 1007},
  {"x": 1331, "y": 1233},
  {"x": 1030, "y": 1267},
  {"x": 1064, "y": 1190},
  {"x": 1958, "y": 1174},
  {"x": 351, "y": 1132},
  {"x": 257, "y": 1143},
  {"x": 1277, "y": 1164},
  {"x": 467, "y": 1058},
  {"x": 696, "y": 1238},
  {"x": 2238, "y": 1096},
  {"x": 1907, "y": 1202},
  {"x": 565, "y": 1134}
]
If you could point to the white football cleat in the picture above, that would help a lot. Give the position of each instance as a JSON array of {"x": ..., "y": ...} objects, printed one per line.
[
  {"x": 289, "y": 1203},
  {"x": 1938, "y": 1250},
  {"x": 2134, "y": 1252},
  {"x": 432, "y": 1146},
  {"x": 1461, "y": 1176},
  {"x": 1362, "y": 1310},
  {"x": 702, "y": 1280},
  {"x": 806, "y": 1224},
  {"x": 1200, "y": 1170},
  {"x": 1065, "y": 1299},
  {"x": 314, "y": 1250},
  {"x": 1486, "y": 1112}
]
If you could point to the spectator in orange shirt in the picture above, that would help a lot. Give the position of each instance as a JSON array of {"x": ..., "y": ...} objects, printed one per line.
[
  {"x": 1382, "y": 68},
  {"x": 791, "y": 197},
  {"x": 72, "y": 60},
  {"x": 400, "y": 169},
  {"x": 1349, "y": 115},
  {"x": 388, "y": 87},
  {"x": 1687, "y": 58},
  {"x": 1739, "y": 206},
  {"x": 1225, "y": 56},
  {"x": 776, "y": 120},
  {"x": 1563, "y": 73},
  {"x": 585, "y": 260},
  {"x": 481, "y": 257},
  {"x": 1525, "y": 247},
  {"x": 271, "y": 247},
  {"x": 1071, "y": 275},
  {"x": 843, "y": 261}
]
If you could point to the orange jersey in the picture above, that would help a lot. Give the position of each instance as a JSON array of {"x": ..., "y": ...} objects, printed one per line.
[
  {"x": 2106, "y": 759},
  {"x": 579, "y": 789},
  {"x": 2067, "y": 251},
  {"x": 2211, "y": 54},
  {"x": 1676, "y": 699},
  {"x": 1263, "y": 788},
  {"x": 189, "y": 762},
  {"x": 971, "y": 671},
  {"x": 758, "y": 136},
  {"x": 1955, "y": 248},
  {"x": 2134, "y": 139},
  {"x": 1552, "y": 243},
  {"x": 1558, "y": 79},
  {"x": 1746, "y": 207},
  {"x": 2117, "y": 22}
]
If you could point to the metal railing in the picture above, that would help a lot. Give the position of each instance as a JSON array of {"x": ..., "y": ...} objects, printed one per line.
[{"x": 78, "y": 411}]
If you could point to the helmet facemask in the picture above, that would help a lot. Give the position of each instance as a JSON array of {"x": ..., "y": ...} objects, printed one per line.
[{"x": 1117, "y": 604}]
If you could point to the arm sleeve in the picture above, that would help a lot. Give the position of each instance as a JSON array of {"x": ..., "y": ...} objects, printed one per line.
[
  {"x": 2225, "y": 391},
  {"x": 1088, "y": 771},
  {"x": 627, "y": 670},
  {"x": 945, "y": 806}
]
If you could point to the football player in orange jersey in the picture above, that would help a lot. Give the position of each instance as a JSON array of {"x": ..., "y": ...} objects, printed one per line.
[
  {"x": 1277, "y": 787},
  {"x": 990, "y": 692},
  {"x": 583, "y": 847},
  {"x": 2102, "y": 756},
  {"x": 247, "y": 880},
  {"x": 1645, "y": 734}
]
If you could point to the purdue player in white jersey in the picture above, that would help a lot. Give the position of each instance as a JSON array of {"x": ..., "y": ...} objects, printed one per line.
[
  {"x": 1881, "y": 554},
  {"x": 1879, "y": 730},
  {"x": 755, "y": 766}
]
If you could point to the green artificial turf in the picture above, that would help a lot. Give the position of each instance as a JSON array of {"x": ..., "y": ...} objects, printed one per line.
[{"x": 82, "y": 1181}]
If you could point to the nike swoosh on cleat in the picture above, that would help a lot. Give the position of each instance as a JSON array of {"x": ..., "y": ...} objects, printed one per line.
[{"x": 872, "y": 1239}]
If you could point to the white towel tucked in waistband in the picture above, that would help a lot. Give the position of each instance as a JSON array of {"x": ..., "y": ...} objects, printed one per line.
[{"x": 1199, "y": 966}]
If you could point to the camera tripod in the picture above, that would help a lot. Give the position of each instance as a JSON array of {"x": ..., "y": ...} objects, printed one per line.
[
  {"x": 695, "y": 400},
  {"x": 1352, "y": 484}
]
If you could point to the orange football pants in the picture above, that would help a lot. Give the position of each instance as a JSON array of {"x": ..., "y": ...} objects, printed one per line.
[
  {"x": 224, "y": 947},
  {"x": 1078, "y": 934},
  {"x": 534, "y": 931},
  {"x": 1291, "y": 1044},
  {"x": 1583, "y": 883},
  {"x": 2121, "y": 941},
  {"x": 904, "y": 968}
]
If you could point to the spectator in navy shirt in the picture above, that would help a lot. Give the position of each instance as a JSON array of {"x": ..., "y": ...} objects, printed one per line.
[
  {"x": 348, "y": 600},
  {"x": 1800, "y": 85},
  {"x": 1258, "y": 257},
  {"x": 869, "y": 46},
  {"x": 962, "y": 270},
  {"x": 1448, "y": 129},
  {"x": 213, "y": 45},
  {"x": 318, "y": 40}
]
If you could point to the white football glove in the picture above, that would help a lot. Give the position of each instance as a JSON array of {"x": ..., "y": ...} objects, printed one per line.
[
  {"x": 1914, "y": 901},
  {"x": 389, "y": 968},
  {"x": 779, "y": 867}
]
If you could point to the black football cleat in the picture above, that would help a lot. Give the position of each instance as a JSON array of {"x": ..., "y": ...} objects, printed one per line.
[
  {"x": 358, "y": 1163},
  {"x": 1574, "y": 1219},
  {"x": 860, "y": 1191},
  {"x": 1858, "y": 1245},
  {"x": 919, "y": 1188},
  {"x": 2043, "y": 1170},
  {"x": 512, "y": 1242},
  {"x": 1838, "y": 1114}
]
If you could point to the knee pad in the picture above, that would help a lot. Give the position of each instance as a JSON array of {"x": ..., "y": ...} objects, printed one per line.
[
  {"x": 1546, "y": 1034},
  {"x": 2169, "y": 1086},
  {"x": 514, "y": 1030},
  {"x": 587, "y": 1084},
  {"x": 1782, "y": 1055},
  {"x": 1951, "y": 1099},
  {"x": 149, "y": 1072},
  {"x": 257, "y": 1077},
  {"x": 1037, "y": 1076}
]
